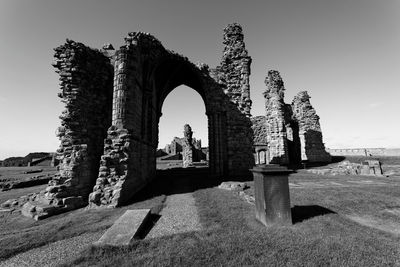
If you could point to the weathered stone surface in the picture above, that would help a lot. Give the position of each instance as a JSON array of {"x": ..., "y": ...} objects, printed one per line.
[
  {"x": 275, "y": 119},
  {"x": 312, "y": 147},
  {"x": 125, "y": 229},
  {"x": 272, "y": 199},
  {"x": 174, "y": 150},
  {"x": 368, "y": 167},
  {"x": 128, "y": 162},
  {"x": 233, "y": 186},
  {"x": 287, "y": 133},
  {"x": 188, "y": 152}
]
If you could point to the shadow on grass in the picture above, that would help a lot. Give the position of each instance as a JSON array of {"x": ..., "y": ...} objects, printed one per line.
[
  {"x": 148, "y": 225},
  {"x": 302, "y": 213},
  {"x": 178, "y": 181}
]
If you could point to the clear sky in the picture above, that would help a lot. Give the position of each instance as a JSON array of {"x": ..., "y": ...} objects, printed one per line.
[{"x": 345, "y": 53}]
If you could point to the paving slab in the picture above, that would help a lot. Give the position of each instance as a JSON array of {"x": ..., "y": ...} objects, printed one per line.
[
  {"x": 179, "y": 216},
  {"x": 125, "y": 229}
]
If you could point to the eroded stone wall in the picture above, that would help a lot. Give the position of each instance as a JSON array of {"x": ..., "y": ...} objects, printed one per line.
[
  {"x": 310, "y": 134},
  {"x": 234, "y": 69},
  {"x": 233, "y": 77},
  {"x": 289, "y": 133},
  {"x": 275, "y": 118},
  {"x": 86, "y": 77}
]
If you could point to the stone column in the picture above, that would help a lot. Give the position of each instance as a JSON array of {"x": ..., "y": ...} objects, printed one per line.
[
  {"x": 119, "y": 97},
  {"x": 271, "y": 189}
]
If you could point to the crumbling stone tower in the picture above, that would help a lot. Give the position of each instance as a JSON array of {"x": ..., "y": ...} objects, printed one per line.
[
  {"x": 310, "y": 134},
  {"x": 188, "y": 147},
  {"x": 275, "y": 118},
  {"x": 288, "y": 133},
  {"x": 234, "y": 70}
]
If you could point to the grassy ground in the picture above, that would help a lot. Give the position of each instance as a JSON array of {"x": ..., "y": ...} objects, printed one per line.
[
  {"x": 17, "y": 173},
  {"x": 18, "y": 233},
  {"x": 18, "y": 192},
  {"x": 333, "y": 226},
  {"x": 323, "y": 234}
]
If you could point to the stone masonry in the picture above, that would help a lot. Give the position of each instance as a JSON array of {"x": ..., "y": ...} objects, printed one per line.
[
  {"x": 113, "y": 102},
  {"x": 275, "y": 118},
  {"x": 310, "y": 134},
  {"x": 287, "y": 134},
  {"x": 188, "y": 148},
  {"x": 144, "y": 74},
  {"x": 86, "y": 90}
]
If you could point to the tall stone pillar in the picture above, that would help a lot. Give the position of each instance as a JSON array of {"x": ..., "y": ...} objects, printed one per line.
[
  {"x": 235, "y": 68},
  {"x": 312, "y": 146},
  {"x": 275, "y": 118},
  {"x": 120, "y": 87},
  {"x": 188, "y": 148}
]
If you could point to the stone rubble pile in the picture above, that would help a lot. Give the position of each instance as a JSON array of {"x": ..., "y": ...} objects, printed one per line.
[
  {"x": 368, "y": 167},
  {"x": 239, "y": 188}
]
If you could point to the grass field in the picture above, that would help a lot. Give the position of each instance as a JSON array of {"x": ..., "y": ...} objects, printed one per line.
[
  {"x": 338, "y": 221},
  {"x": 323, "y": 233},
  {"x": 18, "y": 173}
]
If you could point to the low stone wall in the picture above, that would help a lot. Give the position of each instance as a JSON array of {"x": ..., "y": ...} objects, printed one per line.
[{"x": 364, "y": 152}]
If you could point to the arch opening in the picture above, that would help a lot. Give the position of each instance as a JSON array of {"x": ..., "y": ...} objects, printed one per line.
[{"x": 182, "y": 106}]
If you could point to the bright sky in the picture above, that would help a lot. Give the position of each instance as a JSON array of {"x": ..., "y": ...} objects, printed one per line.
[{"x": 345, "y": 53}]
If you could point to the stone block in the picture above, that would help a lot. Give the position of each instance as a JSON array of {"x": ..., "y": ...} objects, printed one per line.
[
  {"x": 125, "y": 229},
  {"x": 271, "y": 190},
  {"x": 73, "y": 202},
  {"x": 28, "y": 210}
]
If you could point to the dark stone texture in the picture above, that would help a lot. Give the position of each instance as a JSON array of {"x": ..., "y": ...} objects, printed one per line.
[{"x": 271, "y": 191}]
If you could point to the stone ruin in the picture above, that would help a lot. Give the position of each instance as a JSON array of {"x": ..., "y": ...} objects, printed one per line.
[
  {"x": 370, "y": 167},
  {"x": 188, "y": 147},
  {"x": 113, "y": 102},
  {"x": 176, "y": 149},
  {"x": 287, "y": 133}
]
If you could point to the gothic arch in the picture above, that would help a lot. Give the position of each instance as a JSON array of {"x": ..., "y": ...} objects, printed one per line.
[{"x": 113, "y": 103}]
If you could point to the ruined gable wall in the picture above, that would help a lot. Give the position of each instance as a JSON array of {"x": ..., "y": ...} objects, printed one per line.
[
  {"x": 86, "y": 77},
  {"x": 233, "y": 76},
  {"x": 275, "y": 118},
  {"x": 310, "y": 133}
]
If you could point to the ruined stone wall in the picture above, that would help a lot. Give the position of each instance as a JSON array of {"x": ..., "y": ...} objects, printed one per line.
[
  {"x": 129, "y": 161},
  {"x": 234, "y": 69},
  {"x": 260, "y": 136},
  {"x": 275, "y": 118},
  {"x": 86, "y": 77},
  {"x": 233, "y": 76},
  {"x": 310, "y": 134}
]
